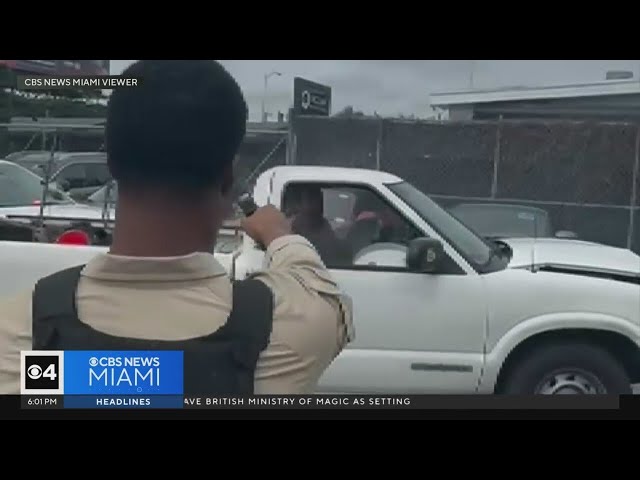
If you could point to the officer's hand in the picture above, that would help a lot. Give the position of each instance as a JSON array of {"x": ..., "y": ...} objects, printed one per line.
[{"x": 266, "y": 224}]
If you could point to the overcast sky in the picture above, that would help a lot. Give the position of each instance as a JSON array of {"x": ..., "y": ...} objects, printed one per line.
[{"x": 394, "y": 87}]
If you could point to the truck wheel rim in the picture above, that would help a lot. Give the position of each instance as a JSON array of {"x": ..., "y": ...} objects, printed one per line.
[{"x": 570, "y": 382}]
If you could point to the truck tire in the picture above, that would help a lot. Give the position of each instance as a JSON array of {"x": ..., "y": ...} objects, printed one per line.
[{"x": 567, "y": 369}]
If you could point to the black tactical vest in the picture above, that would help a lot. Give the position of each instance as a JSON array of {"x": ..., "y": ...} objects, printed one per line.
[{"x": 222, "y": 363}]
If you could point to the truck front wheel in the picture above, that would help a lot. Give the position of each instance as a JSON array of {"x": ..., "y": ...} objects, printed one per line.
[{"x": 566, "y": 369}]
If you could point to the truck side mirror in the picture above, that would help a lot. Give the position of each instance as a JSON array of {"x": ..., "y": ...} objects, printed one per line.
[{"x": 425, "y": 255}]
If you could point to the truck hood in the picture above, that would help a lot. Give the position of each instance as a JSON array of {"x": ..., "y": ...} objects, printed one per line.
[
  {"x": 572, "y": 254},
  {"x": 74, "y": 210}
]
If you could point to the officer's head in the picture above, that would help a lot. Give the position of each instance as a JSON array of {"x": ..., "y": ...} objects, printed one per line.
[{"x": 171, "y": 140}]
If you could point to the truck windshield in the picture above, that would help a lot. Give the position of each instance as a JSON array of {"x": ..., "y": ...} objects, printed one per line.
[{"x": 472, "y": 247}]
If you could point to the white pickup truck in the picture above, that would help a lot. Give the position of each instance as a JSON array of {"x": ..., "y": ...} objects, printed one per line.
[{"x": 437, "y": 309}]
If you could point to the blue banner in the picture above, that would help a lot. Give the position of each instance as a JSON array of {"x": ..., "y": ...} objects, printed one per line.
[{"x": 123, "y": 373}]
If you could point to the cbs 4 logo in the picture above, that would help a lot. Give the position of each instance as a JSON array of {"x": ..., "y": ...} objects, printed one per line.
[
  {"x": 35, "y": 372},
  {"x": 41, "y": 372}
]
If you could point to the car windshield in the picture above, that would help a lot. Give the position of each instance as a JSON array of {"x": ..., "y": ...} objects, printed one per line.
[
  {"x": 37, "y": 162},
  {"x": 20, "y": 187},
  {"x": 503, "y": 221},
  {"x": 17, "y": 156},
  {"x": 471, "y": 246},
  {"x": 100, "y": 195}
]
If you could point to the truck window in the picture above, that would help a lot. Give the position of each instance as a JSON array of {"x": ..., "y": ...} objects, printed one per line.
[{"x": 342, "y": 221}]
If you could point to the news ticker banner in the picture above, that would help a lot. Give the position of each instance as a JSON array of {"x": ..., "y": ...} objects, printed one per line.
[
  {"x": 323, "y": 402},
  {"x": 155, "y": 380},
  {"x": 102, "y": 82}
]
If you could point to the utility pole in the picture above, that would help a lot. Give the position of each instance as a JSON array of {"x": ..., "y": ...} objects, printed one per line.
[{"x": 264, "y": 93}]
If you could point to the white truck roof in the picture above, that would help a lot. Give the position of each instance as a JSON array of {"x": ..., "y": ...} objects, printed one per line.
[{"x": 333, "y": 174}]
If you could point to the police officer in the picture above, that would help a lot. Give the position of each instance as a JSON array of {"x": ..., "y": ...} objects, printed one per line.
[{"x": 171, "y": 143}]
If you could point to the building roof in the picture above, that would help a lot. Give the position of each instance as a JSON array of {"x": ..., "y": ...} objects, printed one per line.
[
  {"x": 29, "y": 124},
  {"x": 58, "y": 121},
  {"x": 599, "y": 89},
  {"x": 267, "y": 126}
]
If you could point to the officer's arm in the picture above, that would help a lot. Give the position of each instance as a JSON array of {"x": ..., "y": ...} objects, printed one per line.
[
  {"x": 312, "y": 318},
  {"x": 15, "y": 335}
]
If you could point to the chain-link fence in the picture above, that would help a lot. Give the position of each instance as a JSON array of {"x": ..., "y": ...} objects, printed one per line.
[
  {"x": 259, "y": 153},
  {"x": 584, "y": 174},
  {"x": 30, "y": 137},
  {"x": 29, "y": 142},
  {"x": 69, "y": 159}
]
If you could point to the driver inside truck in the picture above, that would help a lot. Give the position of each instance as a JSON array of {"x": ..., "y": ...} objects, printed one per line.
[
  {"x": 305, "y": 207},
  {"x": 375, "y": 222}
]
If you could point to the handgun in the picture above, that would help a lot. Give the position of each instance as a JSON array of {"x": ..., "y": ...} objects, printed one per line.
[{"x": 247, "y": 204}]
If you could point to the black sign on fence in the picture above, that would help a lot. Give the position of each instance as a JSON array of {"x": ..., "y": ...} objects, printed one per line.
[{"x": 310, "y": 98}]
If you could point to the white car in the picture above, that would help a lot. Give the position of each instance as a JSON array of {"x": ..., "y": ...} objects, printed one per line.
[
  {"x": 77, "y": 173},
  {"x": 442, "y": 310},
  {"x": 21, "y": 198},
  {"x": 501, "y": 220}
]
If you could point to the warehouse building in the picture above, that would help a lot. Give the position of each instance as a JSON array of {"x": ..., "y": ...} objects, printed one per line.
[{"x": 603, "y": 101}]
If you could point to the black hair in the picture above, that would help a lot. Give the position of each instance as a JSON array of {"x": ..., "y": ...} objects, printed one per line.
[{"x": 180, "y": 127}]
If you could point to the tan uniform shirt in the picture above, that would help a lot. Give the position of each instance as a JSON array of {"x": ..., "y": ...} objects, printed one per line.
[{"x": 177, "y": 298}]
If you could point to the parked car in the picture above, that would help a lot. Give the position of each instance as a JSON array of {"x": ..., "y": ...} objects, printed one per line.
[
  {"x": 21, "y": 195},
  {"x": 498, "y": 220},
  {"x": 447, "y": 311},
  {"x": 78, "y": 173},
  {"x": 20, "y": 187}
]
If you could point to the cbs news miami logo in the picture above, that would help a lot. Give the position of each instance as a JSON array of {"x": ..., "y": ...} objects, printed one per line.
[
  {"x": 42, "y": 372},
  {"x": 83, "y": 372}
]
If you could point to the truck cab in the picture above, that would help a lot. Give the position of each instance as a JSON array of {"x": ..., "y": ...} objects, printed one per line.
[{"x": 395, "y": 305}]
